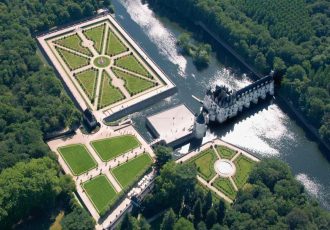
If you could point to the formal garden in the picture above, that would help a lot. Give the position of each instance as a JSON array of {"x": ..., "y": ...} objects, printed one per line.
[
  {"x": 101, "y": 192},
  {"x": 110, "y": 148},
  {"x": 101, "y": 51},
  {"x": 129, "y": 172},
  {"x": 223, "y": 168},
  {"x": 78, "y": 158}
]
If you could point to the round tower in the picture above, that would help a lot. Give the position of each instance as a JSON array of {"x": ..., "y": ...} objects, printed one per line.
[{"x": 200, "y": 126}]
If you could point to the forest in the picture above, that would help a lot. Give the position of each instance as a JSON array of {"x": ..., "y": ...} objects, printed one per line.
[
  {"x": 292, "y": 37},
  {"x": 33, "y": 103},
  {"x": 272, "y": 199}
]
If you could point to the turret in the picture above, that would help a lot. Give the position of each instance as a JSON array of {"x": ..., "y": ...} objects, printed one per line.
[{"x": 200, "y": 126}]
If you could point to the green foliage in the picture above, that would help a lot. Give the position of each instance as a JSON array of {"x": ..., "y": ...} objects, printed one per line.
[
  {"x": 101, "y": 192},
  {"x": 131, "y": 63},
  {"x": 163, "y": 155},
  {"x": 225, "y": 152},
  {"x": 73, "y": 42},
  {"x": 110, "y": 148},
  {"x": 183, "y": 224},
  {"x": 131, "y": 171},
  {"x": 133, "y": 84},
  {"x": 78, "y": 158},
  {"x": 87, "y": 80},
  {"x": 204, "y": 163},
  {"x": 224, "y": 185},
  {"x": 78, "y": 219},
  {"x": 109, "y": 93},
  {"x": 289, "y": 36},
  {"x": 96, "y": 34},
  {"x": 244, "y": 166},
  {"x": 198, "y": 51},
  {"x": 274, "y": 199},
  {"x": 26, "y": 187},
  {"x": 168, "y": 220},
  {"x": 114, "y": 45}
]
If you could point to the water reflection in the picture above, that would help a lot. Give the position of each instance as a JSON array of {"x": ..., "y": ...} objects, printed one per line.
[{"x": 265, "y": 130}]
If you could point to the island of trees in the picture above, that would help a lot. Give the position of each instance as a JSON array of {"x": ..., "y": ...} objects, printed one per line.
[{"x": 292, "y": 37}]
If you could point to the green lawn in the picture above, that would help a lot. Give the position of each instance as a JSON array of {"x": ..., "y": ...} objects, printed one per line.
[
  {"x": 96, "y": 34},
  {"x": 109, "y": 94},
  {"x": 133, "y": 84},
  {"x": 244, "y": 166},
  {"x": 73, "y": 42},
  {"x": 77, "y": 158},
  {"x": 87, "y": 80},
  {"x": 114, "y": 45},
  {"x": 224, "y": 185},
  {"x": 129, "y": 62},
  {"x": 73, "y": 60},
  {"x": 129, "y": 172},
  {"x": 225, "y": 152},
  {"x": 101, "y": 192},
  {"x": 204, "y": 162},
  {"x": 110, "y": 148}
]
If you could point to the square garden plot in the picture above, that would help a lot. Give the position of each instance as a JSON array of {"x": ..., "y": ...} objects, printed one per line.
[
  {"x": 78, "y": 158},
  {"x": 129, "y": 172},
  {"x": 101, "y": 192},
  {"x": 101, "y": 44},
  {"x": 110, "y": 148},
  {"x": 244, "y": 166}
]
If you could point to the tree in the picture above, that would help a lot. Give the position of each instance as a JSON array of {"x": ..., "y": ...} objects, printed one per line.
[
  {"x": 211, "y": 218},
  {"x": 78, "y": 219},
  {"x": 198, "y": 212},
  {"x": 201, "y": 226},
  {"x": 33, "y": 186},
  {"x": 221, "y": 211},
  {"x": 129, "y": 223},
  {"x": 163, "y": 155},
  {"x": 143, "y": 224},
  {"x": 168, "y": 220},
  {"x": 207, "y": 203},
  {"x": 297, "y": 219},
  {"x": 183, "y": 224}
]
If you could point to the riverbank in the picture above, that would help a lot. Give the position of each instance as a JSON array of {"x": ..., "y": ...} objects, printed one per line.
[{"x": 295, "y": 114}]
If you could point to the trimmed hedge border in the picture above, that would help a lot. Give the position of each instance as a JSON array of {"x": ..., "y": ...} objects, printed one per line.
[
  {"x": 84, "y": 32},
  {"x": 201, "y": 154},
  {"x": 75, "y": 34},
  {"x": 83, "y": 87},
  {"x": 132, "y": 93},
  {"x": 66, "y": 62},
  {"x": 99, "y": 106},
  {"x": 148, "y": 75}
]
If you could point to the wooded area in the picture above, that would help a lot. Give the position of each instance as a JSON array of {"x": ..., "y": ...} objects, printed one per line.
[
  {"x": 292, "y": 37},
  {"x": 32, "y": 103},
  {"x": 272, "y": 199}
]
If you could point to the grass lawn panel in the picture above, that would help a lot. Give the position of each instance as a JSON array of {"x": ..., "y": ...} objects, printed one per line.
[
  {"x": 129, "y": 172},
  {"x": 101, "y": 192},
  {"x": 109, "y": 93},
  {"x": 129, "y": 62},
  {"x": 73, "y": 61},
  {"x": 224, "y": 185},
  {"x": 77, "y": 158},
  {"x": 87, "y": 79},
  {"x": 74, "y": 42},
  {"x": 225, "y": 152},
  {"x": 133, "y": 84},
  {"x": 244, "y": 166},
  {"x": 110, "y": 148},
  {"x": 96, "y": 34},
  {"x": 204, "y": 162},
  {"x": 114, "y": 45}
]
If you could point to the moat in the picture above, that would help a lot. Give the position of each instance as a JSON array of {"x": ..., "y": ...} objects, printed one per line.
[{"x": 264, "y": 131}]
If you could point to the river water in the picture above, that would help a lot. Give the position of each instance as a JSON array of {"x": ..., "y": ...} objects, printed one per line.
[{"x": 265, "y": 131}]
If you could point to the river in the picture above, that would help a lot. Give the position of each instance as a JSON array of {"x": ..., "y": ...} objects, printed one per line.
[{"x": 265, "y": 131}]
